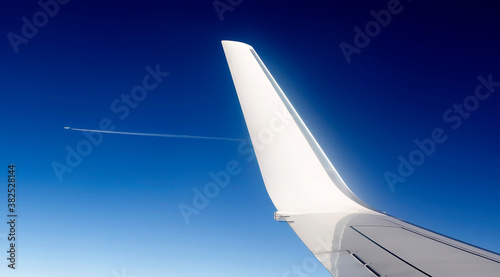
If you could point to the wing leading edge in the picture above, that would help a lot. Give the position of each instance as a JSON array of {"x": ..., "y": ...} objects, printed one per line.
[{"x": 346, "y": 235}]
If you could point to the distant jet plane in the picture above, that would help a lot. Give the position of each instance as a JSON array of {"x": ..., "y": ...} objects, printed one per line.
[{"x": 346, "y": 235}]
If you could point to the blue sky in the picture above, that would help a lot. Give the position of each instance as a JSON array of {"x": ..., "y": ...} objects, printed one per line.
[{"x": 117, "y": 212}]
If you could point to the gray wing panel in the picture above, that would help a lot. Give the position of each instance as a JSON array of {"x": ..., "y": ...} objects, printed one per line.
[{"x": 380, "y": 245}]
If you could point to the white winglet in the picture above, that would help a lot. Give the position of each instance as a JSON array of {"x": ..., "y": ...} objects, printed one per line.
[{"x": 298, "y": 176}]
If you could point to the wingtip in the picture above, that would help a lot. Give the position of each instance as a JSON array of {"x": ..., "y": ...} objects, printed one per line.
[{"x": 236, "y": 43}]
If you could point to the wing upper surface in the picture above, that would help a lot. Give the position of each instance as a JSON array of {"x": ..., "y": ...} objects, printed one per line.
[{"x": 380, "y": 244}]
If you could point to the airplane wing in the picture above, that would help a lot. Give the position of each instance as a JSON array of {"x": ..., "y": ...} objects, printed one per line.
[{"x": 348, "y": 237}]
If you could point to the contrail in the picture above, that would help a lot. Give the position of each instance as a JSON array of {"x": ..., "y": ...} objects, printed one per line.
[{"x": 152, "y": 135}]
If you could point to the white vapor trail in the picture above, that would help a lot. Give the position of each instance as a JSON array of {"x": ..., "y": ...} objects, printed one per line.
[{"x": 152, "y": 135}]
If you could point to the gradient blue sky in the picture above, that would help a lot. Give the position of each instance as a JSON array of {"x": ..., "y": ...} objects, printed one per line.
[{"x": 119, "y": 210}]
